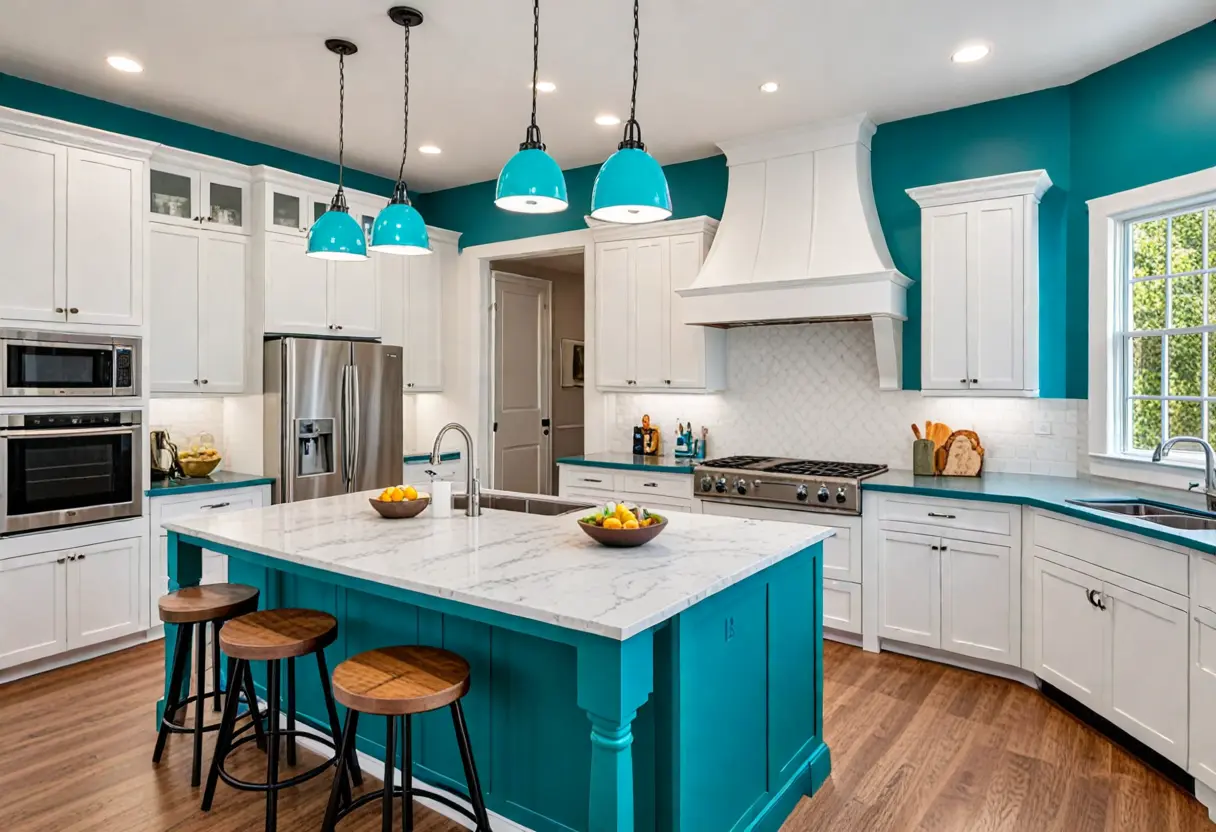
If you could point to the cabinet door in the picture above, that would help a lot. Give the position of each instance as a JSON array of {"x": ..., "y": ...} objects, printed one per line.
[
  {"x": 354, "y": 306},
  {"x": 173, "y": 195},
  {"x": 1148, "y": 670},
  {"x": 978, "y": 601},
  {"x": 424, "y": 323},
  {"x": 1203, "y": 697},
  {"x": 614, "y": 315},
  {"x": 104, "y": 598},
  {"x": 909, "y": 588},
  {"x": 225, "y": 204},
  {"x": 686, "y": 348},
  {"x": 651, "y": 310},
  {"x": 221, "y": 313},
  {"x": 1070, "y": 634},
  {"x": 105, "y": 239},
  {"x": 174, "y": 255},
  {"x": 33, "y": 607},
  {"x": 33, "y": 270},
  {"x": 995, "y": 281},
  {"x": 287, "y": 211},
  {"x": 391, "y": 272},
  {"x": 297, "y": 288},
  {"x": 947, "y": 258}
]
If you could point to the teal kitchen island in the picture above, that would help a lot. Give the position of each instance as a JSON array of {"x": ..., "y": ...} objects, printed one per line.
[{"x": 675, "y": 686}]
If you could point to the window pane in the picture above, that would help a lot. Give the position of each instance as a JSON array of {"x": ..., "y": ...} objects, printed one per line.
[
  {"x": 1186, "y": 419},
  {"x": 1186, "y": 305},
  {"x": 1148, "y": 304},
  {"x": 1186, "y": 243},
  {"x": 1211, "y": 238},
  {"x": 1211, "y": 364},
  {"x": 1146, "y": 424},
  {"x": 1146, "y": 366},
  {"x": 1211, "y": 421},
  {"x": 1148, "y": 248},
  {"x": 1186, "y": 365}
]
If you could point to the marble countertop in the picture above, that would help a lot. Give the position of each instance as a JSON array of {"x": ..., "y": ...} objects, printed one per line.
[
  {"x": 542, "y": 568},
  {"x": 665, "y": 464},
  {"x": 1053, "y": 494},
  {"x": 217, "y": 481}
]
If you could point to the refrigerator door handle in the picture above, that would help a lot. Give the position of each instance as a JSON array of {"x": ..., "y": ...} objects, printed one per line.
[
  {"x": 346, "y": 428},
  {"x": 356, "y": 425}
]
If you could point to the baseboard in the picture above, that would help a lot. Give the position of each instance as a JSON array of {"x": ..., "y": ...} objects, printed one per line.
[
  {"x": 1013, "y": 674},
  {"x": 1206, "y": 795},
  {"x": 851, "y": 639},
  {"x": 82, "y": 654}
]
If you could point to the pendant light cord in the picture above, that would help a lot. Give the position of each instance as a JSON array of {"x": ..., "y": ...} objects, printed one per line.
[
  {"x": 339, "y": 201},
  {"x": 532, "y": 140},
  {"x": 633, "y": 131},
  {"x": 405, "y": 132}
]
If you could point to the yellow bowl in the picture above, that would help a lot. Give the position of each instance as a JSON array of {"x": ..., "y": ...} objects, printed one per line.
[{"x": 199, "y": 467}]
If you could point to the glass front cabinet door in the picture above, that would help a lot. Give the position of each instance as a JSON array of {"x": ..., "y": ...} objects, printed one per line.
[
  {"x": 226, "y": 204},
  {"x": 180, "y": 196}
]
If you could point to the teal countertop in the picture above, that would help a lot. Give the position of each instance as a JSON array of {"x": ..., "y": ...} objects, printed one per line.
[
  {"x": 665, "y": 464},
  {"x": 216, "y": 482},
  {"x": 1053, "y": 494},
  {"x": 425, "y": 458}
]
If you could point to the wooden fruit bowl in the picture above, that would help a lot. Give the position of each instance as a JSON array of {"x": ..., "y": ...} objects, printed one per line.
[
  {"x": 624, "y": 538},
  {"x": 199, "y": 467},
  {"x": 405, "y": 508}
]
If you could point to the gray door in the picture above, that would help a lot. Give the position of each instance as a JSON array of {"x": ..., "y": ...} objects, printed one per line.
[
  {"x": 521, "y": 384},
  {"x": 375, "y": 380},
  {"x": 314, "y": 414}
]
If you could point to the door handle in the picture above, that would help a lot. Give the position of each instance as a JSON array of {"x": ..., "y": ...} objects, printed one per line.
[{"x": 356, "y": 425}]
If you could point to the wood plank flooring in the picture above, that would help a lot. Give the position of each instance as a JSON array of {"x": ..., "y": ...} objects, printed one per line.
[{"x": 915, "y": 746}]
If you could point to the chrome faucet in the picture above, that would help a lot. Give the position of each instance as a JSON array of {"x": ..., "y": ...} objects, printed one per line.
[
  {"x": 472, "y": 486},
  {"x": 1209, "y": 465}
]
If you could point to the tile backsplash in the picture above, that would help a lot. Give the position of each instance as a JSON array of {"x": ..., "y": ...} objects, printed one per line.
[
  {"x": 184, "y": 418},
  {"x": 811, "y": 390}
]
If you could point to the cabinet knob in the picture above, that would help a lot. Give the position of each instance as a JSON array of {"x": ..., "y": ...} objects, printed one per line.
[
  {"x": 667, "y": 381},
  {"x": 59, "y": 310},
  {"x": 62, "y": 560},
  {"x": 975, "y": 381},
  {"x": 337, "y": 327},
  {"x": 204, "y": 381},
  {"x": 74, "y": 311},
  {"x": 80, "y": 557},
  {"x": 962, "y": 381},
  {"x": 196, "y": 381}
]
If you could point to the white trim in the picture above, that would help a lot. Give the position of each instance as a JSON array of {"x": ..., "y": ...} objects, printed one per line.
[
  {"x": 1011, "y": 672},
  {"x": 1206, "y": 795},
  {"x": 74, "y": 135},
  {"x": 165, "y": 155},
  {"x": 604, "y": 232},
  {"x": 1032, "y": 183},
  {"x": 82, "y": 654}
]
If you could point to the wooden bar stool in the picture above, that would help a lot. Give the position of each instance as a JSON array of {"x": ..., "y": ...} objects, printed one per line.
[
  {"x": 188, "y": 608},
  {"x": 274, "y": 636},
  {"x": 397, "y": 682}
]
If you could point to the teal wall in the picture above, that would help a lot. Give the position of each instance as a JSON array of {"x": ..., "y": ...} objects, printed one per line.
[{"x": 32, "y": 97}]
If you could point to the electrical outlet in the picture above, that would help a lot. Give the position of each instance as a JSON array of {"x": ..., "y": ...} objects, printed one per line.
[{"x": 1042, "y": 428}]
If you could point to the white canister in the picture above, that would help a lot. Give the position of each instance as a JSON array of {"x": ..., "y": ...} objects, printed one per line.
[{"x": 441, "y": 498}]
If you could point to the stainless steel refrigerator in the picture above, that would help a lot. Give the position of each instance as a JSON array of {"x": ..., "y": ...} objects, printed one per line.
[{"x": 332, "y": 416}]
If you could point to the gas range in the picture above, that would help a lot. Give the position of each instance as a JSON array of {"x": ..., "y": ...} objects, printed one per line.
[{"x": 810, "y": 485}]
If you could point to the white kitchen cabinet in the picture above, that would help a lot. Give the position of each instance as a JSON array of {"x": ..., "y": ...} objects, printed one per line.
[
  {"x": 198, "y": 302},
  {"x": 644, "y": 344},
  {"x": 310, "y": 296},
  {"x": 196, "y": 191},
  {"x": 1070, "y": 633},
  {"x": 979, "y": 285},
  {"x": 977, "y": 602},
  {"x": 909, "y": 588},
  {"x": 660, "y": 491},
  {"x": 292, "y": 209},
  {"x": 412, "y": 309},
  {"x": 354, "y": 298},
  {"x": 103, "y": 584},
  {"x": 33, "y": 602},
  {"x": 1203, "y": 696},
  {"x": 33, "y": 229}
]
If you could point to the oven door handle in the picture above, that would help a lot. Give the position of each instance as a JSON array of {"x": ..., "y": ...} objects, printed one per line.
[{"x": 53, "y": 433}]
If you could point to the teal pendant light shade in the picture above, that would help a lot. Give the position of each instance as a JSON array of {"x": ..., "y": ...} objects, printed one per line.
[
  {"x": 399, "y": 228},
  {"x": 337, "y": 235},
  {"x": 531, "y": 181},
  {"x": 631, "y": 186}
]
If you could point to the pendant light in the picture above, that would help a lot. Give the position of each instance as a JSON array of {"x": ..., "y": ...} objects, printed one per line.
[
  {"x": 337, "y": 235},
  {"x": 531, "y": 181},
  {"x": 631, "y": 186},
  {"x": 399, "y": 228}
]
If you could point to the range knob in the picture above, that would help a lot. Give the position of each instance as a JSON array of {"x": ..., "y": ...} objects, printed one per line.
[
  {"x": 707, "y": 483},
  {"x": 741, "y": 487},
  {"x": 720, "y": 485},
  {"x": 822, "y": 494},
  {"x": 841, "y": 494},
  {"x": 801, "y": 493}
]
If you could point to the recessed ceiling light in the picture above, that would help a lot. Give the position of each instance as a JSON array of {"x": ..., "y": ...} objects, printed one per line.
[
  {"x": 430, "y": 149},
  {"x": 125, "y": 64},
  {"x": 769, "y": 86},
  {"x": 970, "y": 52},
  {"x": 607, "y": 120},
  {"x": 545, "y": 86}
]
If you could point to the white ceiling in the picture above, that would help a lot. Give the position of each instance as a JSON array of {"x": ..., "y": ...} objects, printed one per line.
[{"x": 258, "y": 68}]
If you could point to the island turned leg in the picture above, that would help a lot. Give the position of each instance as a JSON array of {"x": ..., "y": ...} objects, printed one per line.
[
  {"x": 614, "y": 679},
  {"x": 185, "y": 569}
]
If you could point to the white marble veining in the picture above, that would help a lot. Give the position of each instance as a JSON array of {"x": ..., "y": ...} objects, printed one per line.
[{"x": 542, "y": 568}]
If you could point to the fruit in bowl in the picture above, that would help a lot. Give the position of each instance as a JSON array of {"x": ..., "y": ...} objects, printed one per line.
[
  {"x": 199, "y": 460},
  {"x": 398, "y": 501},
  {"x": 618, "y": 524}
]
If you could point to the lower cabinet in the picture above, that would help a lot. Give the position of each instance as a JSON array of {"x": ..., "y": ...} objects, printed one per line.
[
  {"x": 909, "y": 588},
  {"x": 33, "y": 607},
  {"x": 1203, "y": 697},
  {"x": 658, "y": 491}
]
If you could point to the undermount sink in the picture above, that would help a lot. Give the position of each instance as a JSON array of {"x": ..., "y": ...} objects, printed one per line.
[
  {"x": 1175, "y": 518},
  {"x": 1188, "y": 522},
  {"x": 544, "y": 506}
]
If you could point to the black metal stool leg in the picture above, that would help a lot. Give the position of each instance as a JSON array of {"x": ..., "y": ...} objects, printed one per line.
[
  {"x": 390, "y": 757},
  {"x": 223, "y": 742},
  {"x": 470, "y": 768},
  {"x": 332, "y": 710},
  {"x": 272, "y": 754},
  {"x": 291, "y": 711},
  {"x": 407, "y": 773},
  {"x": 251, "y": 695},
  {"x": 347, "y": 751},
  {"x": 181, "y": 657},
  {"x": 215, "y": 664},
  {"x": 200, "y": 689}
]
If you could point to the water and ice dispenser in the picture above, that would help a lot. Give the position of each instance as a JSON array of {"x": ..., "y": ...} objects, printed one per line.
[{"x": 314, "y": 447}]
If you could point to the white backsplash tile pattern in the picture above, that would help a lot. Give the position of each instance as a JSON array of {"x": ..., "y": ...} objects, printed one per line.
[
  {"x": 184, "y": 418},
  {"x": 812, "y": 391}
]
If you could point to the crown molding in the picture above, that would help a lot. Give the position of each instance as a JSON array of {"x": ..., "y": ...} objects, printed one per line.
[{"x": 1033, "y": 183}]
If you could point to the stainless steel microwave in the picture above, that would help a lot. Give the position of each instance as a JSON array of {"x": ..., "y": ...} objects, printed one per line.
[{"x": 67, "y": 364}]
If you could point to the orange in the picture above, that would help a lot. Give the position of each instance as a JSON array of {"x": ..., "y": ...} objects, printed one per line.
[
  {"x": 411, "y": 493},
  {"x": 631, "y": 524},
  {"x": 612, "y": 523}
]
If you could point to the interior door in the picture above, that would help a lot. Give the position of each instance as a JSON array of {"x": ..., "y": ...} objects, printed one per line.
[
  {"x": 377, "y": 431},
  {"x": 221, "y": 313},
  {"x": 314, "y": 417},
  {"x": 995, "y": 306},
  {"x": 174, "y": 255},
  {"x": 614, "y": 318},
  {"x": 945, "y": 239},
  {"x": 33, "y": 607},
  {"x": 1070, "y": 633},
  {"x": 104, "y": 596},
  {"x": 652, "y": 309},
  {"x": 33, "y": 271},
  {"x": 522, "y": 372},
  {"x": 909, "y": 588}
]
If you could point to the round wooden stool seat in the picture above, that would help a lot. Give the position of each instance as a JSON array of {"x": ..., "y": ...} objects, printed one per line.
[
  {"x": 395, "y": 681},
  {"x": 209, "y": 602},
  {"x": 269, "y": 635}
]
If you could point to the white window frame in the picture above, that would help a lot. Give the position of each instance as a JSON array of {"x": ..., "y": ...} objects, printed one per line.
[{"x": 1110, "y": 219}]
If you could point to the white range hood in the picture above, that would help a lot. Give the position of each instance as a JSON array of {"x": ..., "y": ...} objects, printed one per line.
[{"x": 800, "y": 241}]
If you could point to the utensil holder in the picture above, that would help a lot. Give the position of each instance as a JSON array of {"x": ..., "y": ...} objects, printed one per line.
[{"x": 922, "y": 457}]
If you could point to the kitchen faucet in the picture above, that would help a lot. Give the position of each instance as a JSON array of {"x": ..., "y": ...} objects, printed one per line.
[
  {"x": 472, "y": 486},
  {"x": 1209, "y": 465}
]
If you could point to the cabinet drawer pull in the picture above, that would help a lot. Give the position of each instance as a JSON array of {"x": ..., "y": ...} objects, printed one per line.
[
  {"x": 650, "y": 484},
  {"x": 943, "y": 516},
  {"x": 590, "y": 479},
  {"x": 216, "y": 505}
]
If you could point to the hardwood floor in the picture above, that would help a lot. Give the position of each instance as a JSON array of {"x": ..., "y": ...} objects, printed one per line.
[{"x": 915, "y": 745}]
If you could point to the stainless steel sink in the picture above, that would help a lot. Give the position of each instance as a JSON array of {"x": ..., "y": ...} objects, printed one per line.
[
  {"x": 1175, "y": 518},
  {"x": 1187, "y": 522},
  {"x": 544, "y": 506}
]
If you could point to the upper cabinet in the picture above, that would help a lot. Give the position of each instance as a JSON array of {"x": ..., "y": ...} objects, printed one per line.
[
  {"x": 309, "y": 296},
  {"x": 411, "y": 303},
  {"x": 642, "y": 342},
  {"x": 74, "y": 241},
  {"x": 192, "y": 190},
  {"x": 980, "y": 285}
]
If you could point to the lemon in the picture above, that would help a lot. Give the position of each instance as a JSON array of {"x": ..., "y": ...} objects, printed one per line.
[
  {"x": 411, "y": 493},
  {"x": 612, "y": 523},
  {"x": 631, "y": 524}
]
